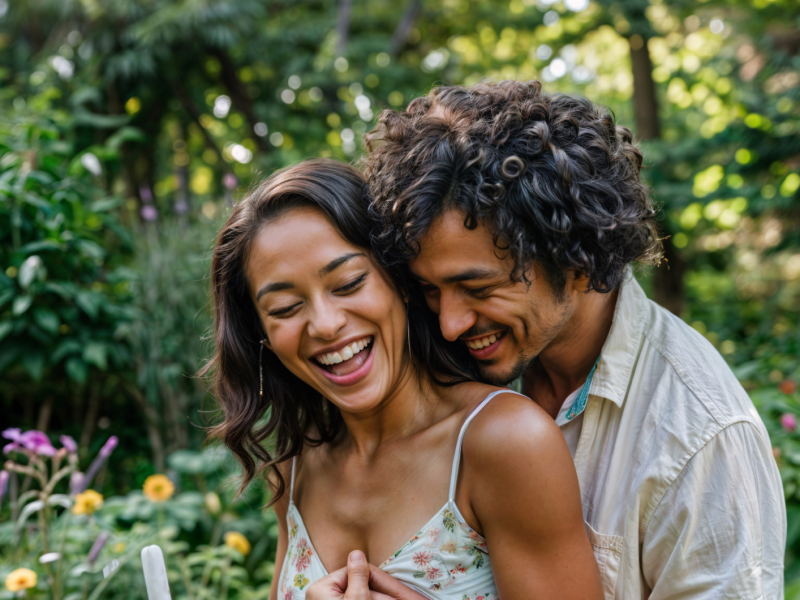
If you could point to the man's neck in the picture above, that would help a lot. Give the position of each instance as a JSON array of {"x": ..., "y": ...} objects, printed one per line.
[{"x": 563, "y": 366}]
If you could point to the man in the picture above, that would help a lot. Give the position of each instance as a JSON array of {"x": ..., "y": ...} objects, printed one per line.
[{"x": 520, "y": 214}]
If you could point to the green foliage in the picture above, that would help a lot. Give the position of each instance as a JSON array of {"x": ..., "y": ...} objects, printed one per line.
[{"x": 63, "y": 293}]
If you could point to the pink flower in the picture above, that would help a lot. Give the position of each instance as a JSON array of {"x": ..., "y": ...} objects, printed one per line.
[
  {"x": 433, "y": 572},
  {"x": 421, "y": 559},
  {"x": 33, "y": 441},
  {"x": 69, "y": 444},
  {"x": 789, "y": 422}
]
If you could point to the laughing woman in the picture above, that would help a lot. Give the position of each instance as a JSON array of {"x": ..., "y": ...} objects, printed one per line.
[{"x": 336, "y": 385}]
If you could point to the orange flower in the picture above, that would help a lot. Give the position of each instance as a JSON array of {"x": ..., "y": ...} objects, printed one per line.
[
  {"x": 20, "y": 579},
  {"x": 87, "y": 502},
  {"x": 158, "y": 488},
  {"x": 238, "y": 542}
]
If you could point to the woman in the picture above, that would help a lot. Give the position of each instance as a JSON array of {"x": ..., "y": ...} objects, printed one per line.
[{"x": 379, "y": 440}]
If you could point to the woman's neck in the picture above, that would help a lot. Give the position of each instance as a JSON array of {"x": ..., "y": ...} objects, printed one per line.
[{"x": 408, "y": 408}]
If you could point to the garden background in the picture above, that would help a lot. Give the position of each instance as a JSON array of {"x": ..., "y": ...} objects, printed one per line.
[{"x": 128, "y": 128}]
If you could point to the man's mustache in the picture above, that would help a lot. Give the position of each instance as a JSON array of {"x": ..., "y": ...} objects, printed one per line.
[{"x": 482, "y": 330}]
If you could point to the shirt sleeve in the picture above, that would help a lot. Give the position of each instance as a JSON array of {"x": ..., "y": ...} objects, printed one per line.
[{"x": 720, "y": 529}]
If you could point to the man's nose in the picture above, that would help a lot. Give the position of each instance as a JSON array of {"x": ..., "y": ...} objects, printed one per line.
[
  {"x": 326, "y": 320},
  {"x": 455, "y": 317}
]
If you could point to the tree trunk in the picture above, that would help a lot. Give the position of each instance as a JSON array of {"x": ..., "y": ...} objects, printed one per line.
[
  {"x": 400, "y": 36},
  {"x": 343, "y": 26},
  {"x": 152, "y": 421},
  {"x": 668, "y": 278},
  {"x": 645, "y": 103},
  {"x": 240, "y": 97}
]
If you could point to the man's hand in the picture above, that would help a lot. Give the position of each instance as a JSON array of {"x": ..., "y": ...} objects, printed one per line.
[{"x": 359, "y": 580}]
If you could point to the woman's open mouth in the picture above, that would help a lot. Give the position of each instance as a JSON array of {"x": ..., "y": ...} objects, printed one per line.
[{"x": 347, "y": 364}]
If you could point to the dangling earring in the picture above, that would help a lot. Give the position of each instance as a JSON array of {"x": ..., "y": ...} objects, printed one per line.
[{"x": 261, "y": 369}]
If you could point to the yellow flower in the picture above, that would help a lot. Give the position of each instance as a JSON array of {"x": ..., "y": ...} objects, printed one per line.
[
  {"x": 158, "y": 488},
  {"x": 20, "y": 579},
  {"x": 237, "y": 541},
  {"x": 119, "y": 547},
  {"x": 87, "y": 502}
]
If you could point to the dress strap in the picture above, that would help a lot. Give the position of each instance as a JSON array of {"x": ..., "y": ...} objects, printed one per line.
[
  {"x": 457, "y": 458},
  {"x": 291, "y": 484}
]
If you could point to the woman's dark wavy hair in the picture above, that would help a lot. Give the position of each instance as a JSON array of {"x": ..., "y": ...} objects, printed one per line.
[
  {"x": 291, "y": 413},
  {"x": 552, "y": 176}
]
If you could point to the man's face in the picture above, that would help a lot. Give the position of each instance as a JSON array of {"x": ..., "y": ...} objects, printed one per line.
[{"x": 468, "y": 282}]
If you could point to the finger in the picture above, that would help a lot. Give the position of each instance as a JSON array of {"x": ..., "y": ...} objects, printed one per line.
[
  {"x": 330, "y": 587},
  {"x": 384, "y": 584},
  {"x": 357, "y": 576}
]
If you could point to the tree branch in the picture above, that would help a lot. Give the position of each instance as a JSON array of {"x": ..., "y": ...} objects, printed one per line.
[{"x": 401, "y": 33}]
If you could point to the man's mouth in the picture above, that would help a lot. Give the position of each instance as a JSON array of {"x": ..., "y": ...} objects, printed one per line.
[
  {"x": 483, "y": 347},
  {"x": 347, "y": 358}
]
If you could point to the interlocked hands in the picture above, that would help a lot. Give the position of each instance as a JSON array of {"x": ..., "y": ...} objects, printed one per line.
[{"x": 359, "y": 580}]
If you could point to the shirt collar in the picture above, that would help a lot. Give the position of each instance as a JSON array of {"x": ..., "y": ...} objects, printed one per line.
[{"x": 619, "y": 353}]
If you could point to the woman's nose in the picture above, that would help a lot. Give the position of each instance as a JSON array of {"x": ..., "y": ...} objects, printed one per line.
[{"x": 326, "y": 321}]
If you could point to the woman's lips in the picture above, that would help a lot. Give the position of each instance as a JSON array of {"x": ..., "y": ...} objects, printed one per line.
[{"x": 351, "y": 371}]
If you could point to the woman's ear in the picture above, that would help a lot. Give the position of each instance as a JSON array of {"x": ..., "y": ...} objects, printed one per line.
[{"x": 266, "y": 344}]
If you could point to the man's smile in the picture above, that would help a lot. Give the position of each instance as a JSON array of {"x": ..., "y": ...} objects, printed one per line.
[{"x": 484, "y": 346}]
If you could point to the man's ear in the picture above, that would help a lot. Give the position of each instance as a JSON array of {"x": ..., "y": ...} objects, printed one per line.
[{"x": 578, "y": 281}]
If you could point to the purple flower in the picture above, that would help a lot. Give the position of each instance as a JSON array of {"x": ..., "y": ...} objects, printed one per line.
[
  {"x": 97, "y": 547},
  {"x": 37, "y": 442},
  {"x": 789, "y": 422},
  {"x": 97, "y": 463},
  {"x": 75, "y": 481},
  {"x": 149, "y": 213},
  {"x": 109, "y": 446},
  {"x": 230, "y": 181},
  {"x": 69, "y": 444},
  {"x": 13, "y": 434}
]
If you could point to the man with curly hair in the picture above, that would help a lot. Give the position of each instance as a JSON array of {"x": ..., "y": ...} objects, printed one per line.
[{"x": 519, "y": 215}]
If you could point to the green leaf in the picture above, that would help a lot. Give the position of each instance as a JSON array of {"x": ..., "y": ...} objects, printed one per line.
[
  {"x": 96, "y": 354},
  {"x": 77, "y": 369},
  {"x": 106, "y": 204},
  {"x": 89, "y": 302},
  {"x": 47, "y": 320},
  {"x": 39, "y": 246},
  {"x": 33, "y": 363},
  {"x": 21, "y": 304},
  {"x": 5, "y": 329},
  {"x": 65, "y": 348},
  {"x": 6, "y": 296}
]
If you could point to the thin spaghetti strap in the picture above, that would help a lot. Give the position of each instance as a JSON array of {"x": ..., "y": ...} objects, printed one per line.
[
  {"x": 291, "y": 484},
  {"x": 457, "y": 458}
]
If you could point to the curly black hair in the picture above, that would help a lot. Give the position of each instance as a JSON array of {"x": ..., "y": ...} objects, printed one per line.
[{"x": 552, "y": 176}]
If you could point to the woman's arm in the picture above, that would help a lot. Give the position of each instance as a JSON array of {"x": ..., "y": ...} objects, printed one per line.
[{"x": 523, "y": 492}]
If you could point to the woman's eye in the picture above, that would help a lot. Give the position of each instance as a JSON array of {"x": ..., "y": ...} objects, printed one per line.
[
  {"x": 283, "y": 312},
  {"x": 352, "y": 285}
]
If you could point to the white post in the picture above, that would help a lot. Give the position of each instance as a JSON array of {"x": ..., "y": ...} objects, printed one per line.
[{"x": 155, "y": 573}]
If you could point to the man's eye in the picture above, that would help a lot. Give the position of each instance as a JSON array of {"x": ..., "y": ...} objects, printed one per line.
[
  {"x": 429, "y": 289},
  {"x": 282, "y": 312},
  {"x": 351, "y": 286},
  {"x": 480, "y": 292}
]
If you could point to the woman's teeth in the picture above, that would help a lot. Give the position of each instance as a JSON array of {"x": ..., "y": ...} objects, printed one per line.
[
  {"x": 483, "y": 342},
  {"x": 346, "y": 353}
]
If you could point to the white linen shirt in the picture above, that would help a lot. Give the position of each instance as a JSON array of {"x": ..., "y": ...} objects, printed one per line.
[{"x": 681, "y": 494}]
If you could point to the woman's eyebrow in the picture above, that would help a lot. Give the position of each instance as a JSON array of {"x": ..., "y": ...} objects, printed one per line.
[
  {"x": 338, "y": 262},
  {"x": 274, "y": 287}
]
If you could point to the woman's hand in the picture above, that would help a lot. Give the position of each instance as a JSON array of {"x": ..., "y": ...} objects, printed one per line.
[{"x": 359, "y": 580}]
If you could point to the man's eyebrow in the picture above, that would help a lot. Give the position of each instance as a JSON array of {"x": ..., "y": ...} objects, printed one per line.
[
  {"x": 274, "y": 287},
  {"x": 338, "y": 262},
  {"x": 471, "y": 274}
]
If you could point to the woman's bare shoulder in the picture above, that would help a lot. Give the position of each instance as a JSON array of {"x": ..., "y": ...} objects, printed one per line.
[{"x": 510, "y": 429}]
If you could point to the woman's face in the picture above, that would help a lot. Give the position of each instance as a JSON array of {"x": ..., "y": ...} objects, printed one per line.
[{"x": 329, "y": 314}]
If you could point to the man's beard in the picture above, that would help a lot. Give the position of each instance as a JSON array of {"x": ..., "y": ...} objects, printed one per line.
[{"x": 505, "y": 379}]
